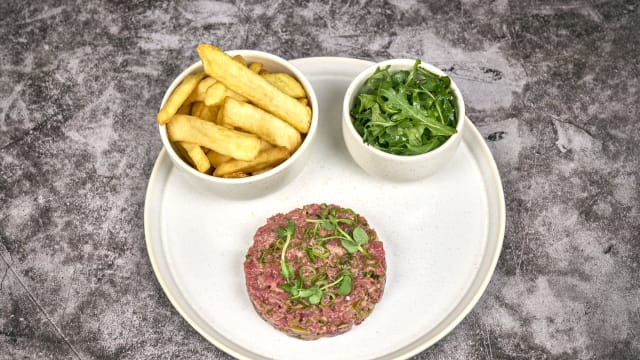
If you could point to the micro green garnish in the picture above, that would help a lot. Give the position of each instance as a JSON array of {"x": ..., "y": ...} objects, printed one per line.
[
  {"x": 286, "y": 233},
  {"x": 406, "y": 112},
  {"x": 294, "y": 284},
  {"x": 316, "y": 292},
  {"x": 344, "y": 287},
  {"x": 351, "y": 242}
]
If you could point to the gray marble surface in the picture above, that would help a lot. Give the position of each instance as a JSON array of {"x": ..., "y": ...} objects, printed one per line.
[{"x": 552, "y": 85}]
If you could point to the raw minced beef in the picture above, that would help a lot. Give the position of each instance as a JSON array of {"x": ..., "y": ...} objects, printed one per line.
[{"x": 328, "y": 280}]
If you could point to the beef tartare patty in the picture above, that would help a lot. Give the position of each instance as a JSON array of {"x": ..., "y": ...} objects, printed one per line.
[{"x": 315, "y": 271}]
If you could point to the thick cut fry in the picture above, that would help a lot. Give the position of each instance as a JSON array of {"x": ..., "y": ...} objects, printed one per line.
[
  {"x": 196, "y": 108},
  {"x": 304, "y": 101},
  {"x": 255, "y": 67},
  {"x": 215, "y": 95},
  {"x": 216, "y": 158},
  {"x": 258, "y": 172},
  {"x": 232, "y": 94},
  {"x": 286, "y": 83},
  {"x": 245, "y": 82},
  {"x": 199, "y": 92},
  {"x": 264, "y": 145},
  {"x": 267, "y": 158},
  {"x": 217, "y": 92},
  {"x": 219, "y": 117},
  {"x": 240, "y": 60},
  {"x": 236, "y": 144},
  {"x": 236, "y": 175},
  {"x": 257, "y": 121},
  {"x": 178, "y": 97},
  {"x": 209, "y": 113},
  {"x": 185, "y": 109},
  {"x": 194, "y": 155}
]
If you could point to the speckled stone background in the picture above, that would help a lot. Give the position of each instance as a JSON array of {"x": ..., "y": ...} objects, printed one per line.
[{"x": 552, "y": 85}]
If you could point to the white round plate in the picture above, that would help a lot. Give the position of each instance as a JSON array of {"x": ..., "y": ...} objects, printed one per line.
[{"x": 442, "y": 236}]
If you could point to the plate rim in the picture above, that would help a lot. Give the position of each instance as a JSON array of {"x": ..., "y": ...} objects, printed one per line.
[{"x": 471, "y": 131}]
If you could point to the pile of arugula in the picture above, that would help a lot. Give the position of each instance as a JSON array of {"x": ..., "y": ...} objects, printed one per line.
[{"x": 408, "y": 112}]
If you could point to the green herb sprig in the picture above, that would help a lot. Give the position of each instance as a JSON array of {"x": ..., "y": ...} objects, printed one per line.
[
  {"x": 315, "y": 293},
  {"x": 351, "y": 242},
  {"x": 320, "y": 289},
  {"x": 406, "y": 112},
  {"x": 286, "y": 233}
]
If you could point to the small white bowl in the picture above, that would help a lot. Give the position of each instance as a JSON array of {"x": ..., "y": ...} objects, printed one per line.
[
  {"x": 397, "y": 167},
  {"x": 256, "y": 185}
]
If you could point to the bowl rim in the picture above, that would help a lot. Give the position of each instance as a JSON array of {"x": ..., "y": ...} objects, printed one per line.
[
  {"x": 306, "y": 143},
  {"x": 396, "y": 65}
]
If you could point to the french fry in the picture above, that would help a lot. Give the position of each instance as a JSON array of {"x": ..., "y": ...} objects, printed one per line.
[
  {"x": 286, "y": 83},
  {"x": 217, "y": 92},
  {"x": 219, "y": 117},
  {"x": 252, "y": 119},
  {"x": 209, "y": 113},
  {"x": 215, "y": 95},
  {"x": 236, "y": 175},
  {"x": 196, "y": 108},
  {"x": 255, "y": 67},
  {"x": 201, "y": 89},
  {"x": 185, "y": 109},
  {"x": 232, "y": 94},
  {"x": 240, "y": 60},
  {"x": 215, "y": 158},
  {"x": 245, "y": 82},
  {"x": 264, "y": 145},
  {"x": 267, "y": 158},
  {"x": 258, "y": 172},
  {"x": 178, "y": 97},
  {"x": 236, "y": 144},
  {"x": 236, "y": 117},
  {"x": 194, "y": 155}
]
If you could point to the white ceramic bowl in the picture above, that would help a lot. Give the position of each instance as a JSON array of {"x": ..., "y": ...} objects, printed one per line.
[
  {"x": 256, "y": 185},
  {"x": 390, "y": 166}
]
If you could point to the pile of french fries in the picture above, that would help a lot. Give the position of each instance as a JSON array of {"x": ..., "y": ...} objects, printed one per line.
[{"x": 235, "y": 119}]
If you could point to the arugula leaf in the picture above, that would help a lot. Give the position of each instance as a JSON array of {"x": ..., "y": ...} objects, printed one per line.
[
  {"x": 406, "y": 112},
  {"x": 397, "y": 102}
]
